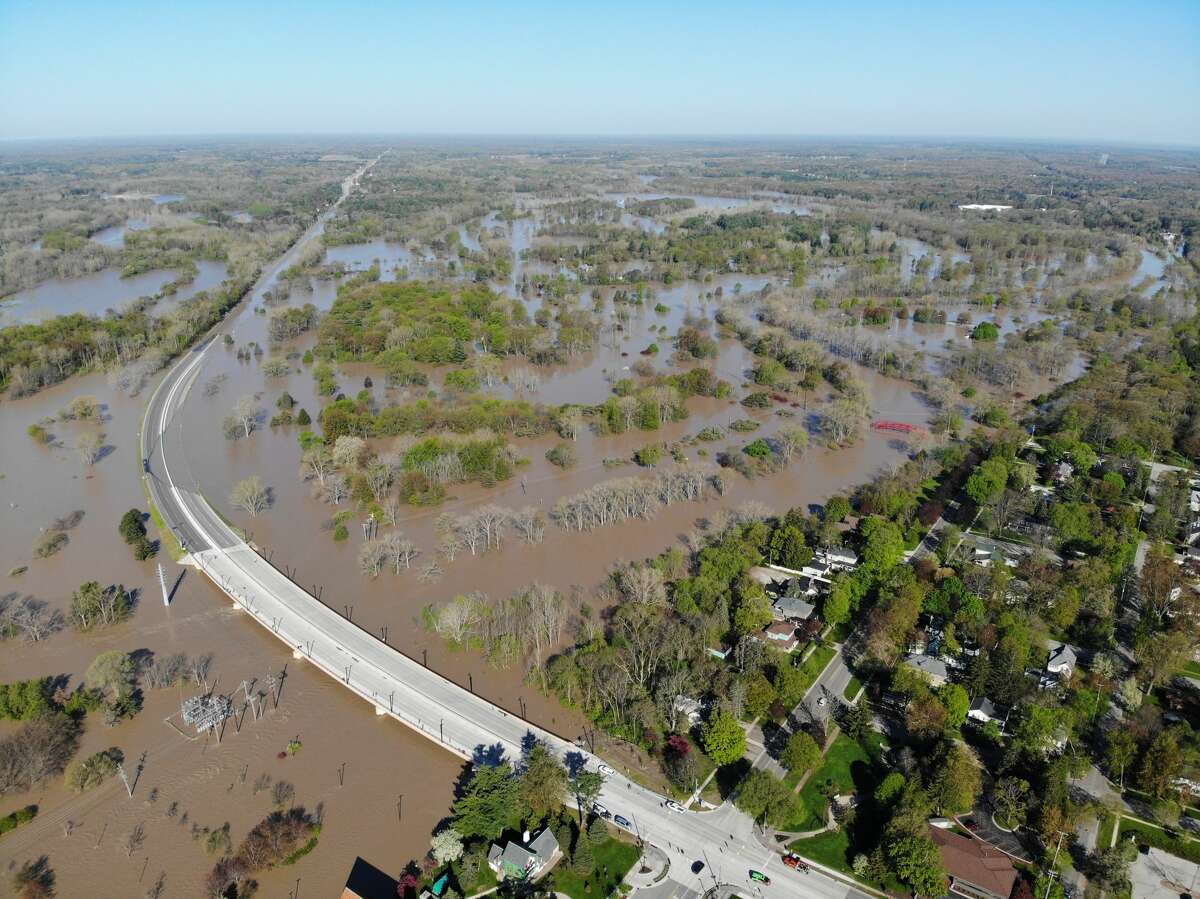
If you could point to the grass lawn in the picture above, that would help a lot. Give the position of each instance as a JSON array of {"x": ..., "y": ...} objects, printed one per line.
[
  {"x": 1104, "y": 836},
  {"x": 833, "y": 850},
  {"x": 852, "y": 689},
  {"x": 1192, "y": 669},
  {"x": 485, "y": 881},
  {"x": 612, "y": 854},
  {"x": 843, "y": 759}
]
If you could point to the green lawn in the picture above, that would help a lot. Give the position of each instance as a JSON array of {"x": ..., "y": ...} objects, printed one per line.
[
  {"x": 1192, "y": 669},
  {"x": 832, "y": 849},
  {"x": 1104, "y": 838},
  {"x": 844, "y": 757},
  {"x": 613, "y": 855},
  {"x": 852, "y": 689}
]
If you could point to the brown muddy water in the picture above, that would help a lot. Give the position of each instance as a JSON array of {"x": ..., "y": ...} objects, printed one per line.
[{"x": 384, "y": 761}]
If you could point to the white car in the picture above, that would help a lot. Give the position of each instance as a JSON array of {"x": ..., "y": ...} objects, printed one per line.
[
  {"x": 674, "y": 806},
  {"x": 606, "y": 770},
  {"x": 600, "y": 810}
]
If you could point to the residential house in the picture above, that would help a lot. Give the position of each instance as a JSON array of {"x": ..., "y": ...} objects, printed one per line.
[
  {"x": 781, "y": 635},
  {"x": 720, "y": 651},
  {"x": 1062, "y": 661},
  {"x": 838, "y": 557},
  {"x": 689, "y": 708},
  {"x": 792, "y": 608},
  {"x": 1063, "y": 471},
  {"x": 994, "y": 552},
  {"x": 976, "y": 869},
  {"x": 931, "y": 666},
  {"x": 368, "y": 882},
  {"x": 982, "y": 711},
  {"x": 514, "y": 861}
]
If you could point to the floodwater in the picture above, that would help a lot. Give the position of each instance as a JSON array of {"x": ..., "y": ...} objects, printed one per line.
[
  {"x": 775, "y": 201},
  {"x": 114, "y": 236},
  {"x": 384, "y": 761},
  {"x": 212, "y": 784},
  {"x": 95, "y": 294},
  {"x": 1151, "y": 266}
]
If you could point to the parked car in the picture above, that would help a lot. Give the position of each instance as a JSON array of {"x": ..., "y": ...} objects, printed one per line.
[
  {"x": 622, "y": 822},
  {"x": 760, "y": 877},
  {"x": 796, "y": 862},
  {"x": 598, "y": 809}
]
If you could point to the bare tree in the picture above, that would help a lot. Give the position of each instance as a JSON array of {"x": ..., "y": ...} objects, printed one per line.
[
  {"x": 348, "y": 452},
  {"x": 791, "y": 439},
  {"x": 379, "y": 479},
  {"x": 530, "y": 524},
  {"x": 317, "y": 462},
  {"x": 89, "y": 446},
  {"x": 400, "y": 551},
  {"x": 371, "y": 557},
  {"x": 135, "y": 839},
  {"x": 457, "y": 620},
  {"x": 248, "y": 412},
  {"x": 644, "y": 584},
  {"x": 32, "y": 619},
  {"x": 251, "y": 495},
  {"x": 334, "y": 489}
]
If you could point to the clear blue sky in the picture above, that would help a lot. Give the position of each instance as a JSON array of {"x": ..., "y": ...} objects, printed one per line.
[{"x": 1063, "y": 69}]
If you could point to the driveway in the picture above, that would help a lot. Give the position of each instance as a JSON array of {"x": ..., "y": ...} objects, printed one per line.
[{"x": 1157, "y": 875}]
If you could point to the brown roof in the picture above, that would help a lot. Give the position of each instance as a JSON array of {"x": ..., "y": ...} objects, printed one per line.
[{"x": 975, "y": 862}]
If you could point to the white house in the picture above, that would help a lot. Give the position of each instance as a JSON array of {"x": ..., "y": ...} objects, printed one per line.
[
  {"x": 689, "y": 708},
  {"x": 982, "y": 711},
  {"x": 512, "y": 860},
  {"x": 838, "y": 557},
  {"x": 1062, "y": 660}
]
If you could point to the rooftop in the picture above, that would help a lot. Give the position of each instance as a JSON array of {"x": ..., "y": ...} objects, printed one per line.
[{"x": 974, "y": 863}]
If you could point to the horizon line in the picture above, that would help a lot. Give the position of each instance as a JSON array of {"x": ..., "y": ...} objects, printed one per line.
[{"x": 734, "y": 137}]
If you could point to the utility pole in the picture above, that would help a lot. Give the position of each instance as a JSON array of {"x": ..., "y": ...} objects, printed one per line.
[
  {"x": 1051, "y": 874},
  {"x": 162, "y": 582}
]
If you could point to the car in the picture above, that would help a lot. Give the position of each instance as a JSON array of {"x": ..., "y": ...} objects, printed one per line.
[
  {"x": 794, "y": 861},
  {"x": 621, "y": 821},
  {"x": 674, "y": 806},
  {"x": 606, "y": 770},
  {"x": 697, "y": 867},
  {"x": 598, "y": 809},
  {"x": 759, "y": 877}
]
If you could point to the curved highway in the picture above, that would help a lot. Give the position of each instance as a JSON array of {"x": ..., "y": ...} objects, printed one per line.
[{"x": 401, "y": 687}]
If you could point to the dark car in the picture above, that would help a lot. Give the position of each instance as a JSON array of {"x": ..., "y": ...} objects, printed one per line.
[
  {"x": 697, "y": 867},
  {"x": 622, "y": 822}
]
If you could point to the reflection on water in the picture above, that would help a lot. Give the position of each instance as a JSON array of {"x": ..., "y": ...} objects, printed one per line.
[
  {"x": 95, "y": 294},
  {"x": 114, "y": 236}
]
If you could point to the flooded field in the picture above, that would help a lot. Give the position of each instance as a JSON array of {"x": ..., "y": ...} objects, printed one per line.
[
  {"x": 396, "y": 785},
  {"x": 96, "y": 293}
]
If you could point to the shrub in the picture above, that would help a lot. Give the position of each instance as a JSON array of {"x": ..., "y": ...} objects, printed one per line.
[
  {"x": 92, "y": 771},
  {"x": 50, "y": 543},
  {"x": 648, "y": 456},
  {"x": 562, "y": 455},
  {"x": 757, "y": 400},
  {"x": 13, "y": 820}
]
